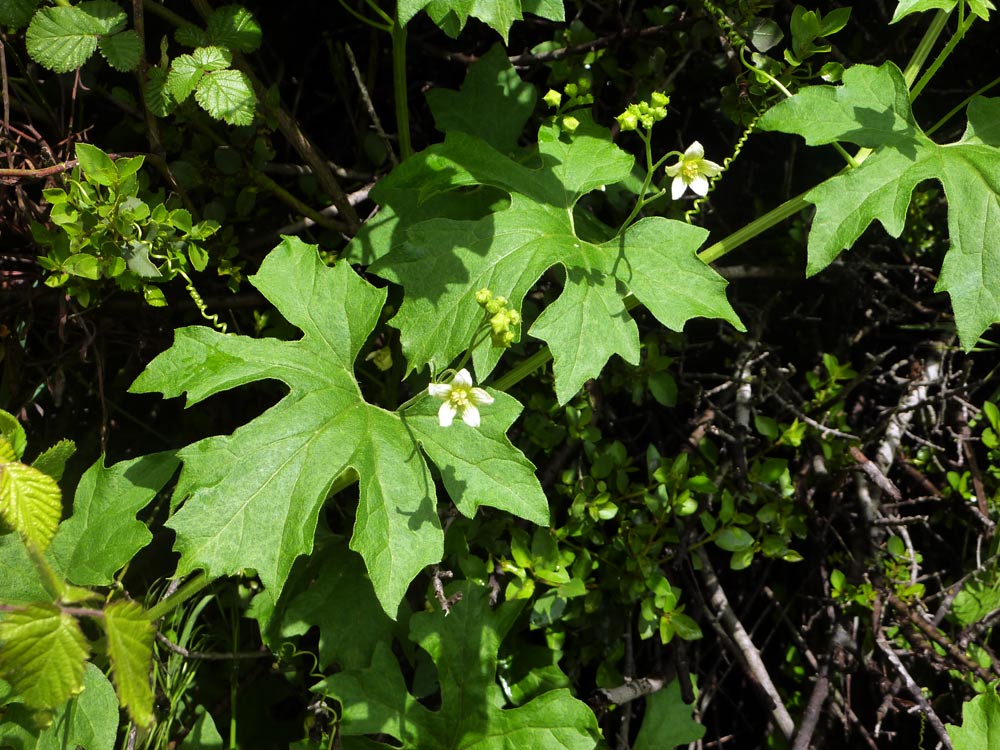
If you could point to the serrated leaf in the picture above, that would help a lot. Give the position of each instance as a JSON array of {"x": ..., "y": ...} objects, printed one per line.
[
  {"x": 191, "y": 36},
  {"x": 90, "y": 720},
  {"x": 493, "y": 103},
  {"x": 183, "y": 77},
  {"x": 121, "y": 50},
  {"x": 667, "y": 722},
  {"x": 227, "y": 95},
  {"x": 342, "y": 604},
  {"x": 980, "y": 723},
  {"x": 253, "y": 497},
  {"x": 443, "y": 263},
  {"x": 52, "y": 460},
  {"x": 464, "y": 647},
  {"x": 12, "y": 431},
  {"x": 30, "y": 503},
  {"x": 20, "y": 582},
  {"x": 872, "y": 109},
  {"x": 42, "y": 653},
  {"x": 981, "y": 8},
  {"x": 130, "y": 648},
  {"x": 63, "y": 38},
  {"x": 499, "y": 14},
  {"x": 159, "y": 100},
  {"x": 104, "y": 508},
  {"x": 17, "y": 13},
  {"x": 235, "y": 27}
]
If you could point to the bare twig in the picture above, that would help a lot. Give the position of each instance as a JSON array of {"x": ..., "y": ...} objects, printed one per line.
[
  {"x": 366, "y": 98},
  {"x": 211, "y": 655},
  {"x": 879, "y": 479},
  {"x": 629, "y": 690}
]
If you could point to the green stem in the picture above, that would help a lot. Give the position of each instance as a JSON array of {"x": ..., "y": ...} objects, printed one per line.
[
  {"x": 185, "y": 592},
  {"x": 762, "y": 223},
  {"x": 943, "y": 55},
  {"x": 923, "y": 50},
  {"x": 961, "y": 105},
  {"x": 399, "y": 85}
]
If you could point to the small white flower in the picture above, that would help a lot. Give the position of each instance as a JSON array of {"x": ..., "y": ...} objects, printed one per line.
[
  {"x": 692, "y": 170},
  {"x": 459, "y": 398}
]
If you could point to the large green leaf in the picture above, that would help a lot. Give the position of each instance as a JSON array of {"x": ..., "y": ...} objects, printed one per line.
[
  {"x": 90, "y": 720},
  {"x": 981, "y": 8},
  {"x": 499, "y": 14},
  {"x": 63, "y": 38},
  {"x": 130, "y": 648},
  {"x": 980, "y": 723},
  {"x": 463, "y": 645},
  {"x": 42, "y": 654},
  {"x": 104, "y": 508},
  {"x": 872, "y": 109},
  {"x": 253, "y": 497},
  {"x": 442, "y": 263},
  {"x": 667, "y": 722}
]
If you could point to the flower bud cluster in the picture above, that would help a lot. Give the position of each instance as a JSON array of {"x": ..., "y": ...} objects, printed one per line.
[
  {"x": 502, "y": 317},
  {"x": 644, "y": 114},
  {"x": 576, "y": 95}
]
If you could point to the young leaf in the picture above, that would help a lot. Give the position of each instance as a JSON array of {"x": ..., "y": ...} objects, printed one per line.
[
  {"x": 42, "y": 653},
  {"x": 872, "y": 109},
  {"x": 130, "y": 648},
  {"x": 227, "y": 95},
  {"x": 52, "y": 460},
  {"x": 980, "y": 723},
  {"x": 30, "y": 503},
  {"x": 464, "y": 647},
  {"x": 104, "y": 508},
  {"x": 253, "y": 497},
  {"x": 444, "y": 263},
  {"x": 63, "y": 38},
  {"x": 12, "y": 431},
  {"x": 97, "y": 166},
  {"x": 667, "y": 722}
]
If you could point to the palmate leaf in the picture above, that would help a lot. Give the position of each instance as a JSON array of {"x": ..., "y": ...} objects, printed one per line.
[
  {"x": 871, "y": 109},
  {"x": 464, "y": 646},
  {"x": 980, "y": 723},
  {"x": 442, "y": 263},
  {"x": 981, "y": 8},
  {"x": 498, "y": 14},
  {"x": 42, "y": 654},
  {"x": 253, "y": 497}
]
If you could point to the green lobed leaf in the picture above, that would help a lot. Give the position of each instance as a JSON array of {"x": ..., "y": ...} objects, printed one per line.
[
  {"x": 668, "y": 721},
  {"x": 907, "y": 7},
  {"x": 42, "y": 654},
  {"x": 183, "y": 77},
  {"x": 30, "y": 503},
  {"x": 121, "y": 50},
  {"x": 493, "y": 103},
  {"x": 52, "y": 460},
  {"x": 227, "y": 95},
  {"x": 342, "y": 605},
  {"x": 63, "y": 38},
  {"x": 12, "y": 431},
  {"x": 499, "y": 14},
  {"x": 442, "y": 263},
  {"x": 130, "y": 649},
  {"x": 235, "y": 27},
  {"x": 464, "y": 646},
  {"x": 252, "y": 498},
  {"x": 17, "y": 13},
  {"x": 872, "y": 109},
  {"x": 104, "y": 507},
  {"x": 980, "y": 723}
]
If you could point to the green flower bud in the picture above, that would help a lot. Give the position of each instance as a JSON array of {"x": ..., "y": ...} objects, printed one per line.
[
  {"x": 570, "y": 123},
  {"x": 553, "y": 98},
  {"x": 483, "y": 296}
]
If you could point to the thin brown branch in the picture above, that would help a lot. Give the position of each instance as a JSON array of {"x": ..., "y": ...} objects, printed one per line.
[{"x": 211, "y": 655}]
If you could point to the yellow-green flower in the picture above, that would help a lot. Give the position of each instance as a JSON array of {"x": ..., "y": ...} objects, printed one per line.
[
  {"x": 459, "y": 398},
  {"x": 693, "y": 171}
]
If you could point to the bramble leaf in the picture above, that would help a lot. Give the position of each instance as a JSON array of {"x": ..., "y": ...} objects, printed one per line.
[
  {"x": 253, "y": 497},
  {"x": 442, "y": 263},
  {"x": 106, "y": 501},
  {"x": 20, "y": 582},
  {"x": 130, "y": 648},
  {"x": 17, "y": 13},
  {"x": 235, "y": 27},
  {"x": 30, "y": 503},
  {"x": 121, "y": 50},
  {"x": 187, "y": 70},
  {"x": 464, "y": 646},
  {"x": 667, "y": 722},
  {"x": 63, "y": 38},
  {"x": 42, "y": 654},
  {"x": 871, "y": 109},
  {"x": 227, "y": 95},
  {"x": 980, "y": 723},
  {"x": 52, "y": 460}
]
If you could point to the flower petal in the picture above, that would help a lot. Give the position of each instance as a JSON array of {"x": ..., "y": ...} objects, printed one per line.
[
  {"x": 462, "y": 378},
  {"x": 696, "y": 150},
  {"x": 710, "y": 168},
  {"x": 470, "y": 415},
  {"x": 439, "y": 390},
  {"x": 479, "y": 396},
  {"x": 700, "y": 185},
  {"x": 677, "y": 187},
  {"x": 446, "y": 414}
]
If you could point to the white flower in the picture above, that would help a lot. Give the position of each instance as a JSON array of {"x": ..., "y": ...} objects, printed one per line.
[
  {"x": 459, "y": 398},
  {"x": 692, "y": 170}
]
